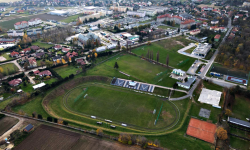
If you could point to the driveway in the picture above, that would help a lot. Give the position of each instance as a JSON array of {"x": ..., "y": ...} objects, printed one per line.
[{"x": 192, "y": 70}]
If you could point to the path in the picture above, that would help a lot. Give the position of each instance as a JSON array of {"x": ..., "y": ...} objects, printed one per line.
[{"x": 16, "y": 127}]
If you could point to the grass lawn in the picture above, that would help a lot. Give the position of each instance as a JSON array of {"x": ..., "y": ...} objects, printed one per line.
[
  {"x": 7, "y": 123},
  {"x": 70, "y": 19},
  {"x": 241, "y": 107},
  {"x": 190, "y": 50},
  {"x": 65, "y": 71},
  {"x": 42, "y": 45},
  {"x": 122, "y": 106},
  {"x": 35, "y": 105},
  {"x": 4, "y": 103},
  {"x": 28, "y": 88},
  {"x": 50, "y": 81},
  {"x": 137, "y": 68},
  {"x": 5, "y": 55},
  {"x": 165, "y": 48},
  {"x": 9, "y": 68},
  {"x": 210, "y": 54},
  {"x": 238, "y": 143},
  {"x": 183, "y": 40},
  {"x": 196, "y": 106},
  {"x": 166, "y": 27}
]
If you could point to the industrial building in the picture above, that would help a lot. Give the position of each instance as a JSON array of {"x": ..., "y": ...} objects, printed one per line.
[
  {"x": 202, "y": 50},
  {"x": 58, "y": 12}
]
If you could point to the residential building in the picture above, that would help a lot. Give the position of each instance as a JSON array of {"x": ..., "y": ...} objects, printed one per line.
[
  {"x": 194, "y": 32},
  {"x": 21, "y": 25},
  {"x": 217, "y": 38},
  {"x": 39, "y": 55},
  {"x": 45, "y": 73},
  {"x": 34, "y": 21},
  {"x": 15, "y": 33},
  {"x": 179, "y": 72},
  {"x": 26, "y": 50},
  {"x": 202, "y": 50},
  {"x": 215, "y": 21},
  {"x": 205, "y": 24},
  {"x": 214, "y": 28},
  {"x": 187, "y": 23},
  {"x": 65, "y": 50},
  {"x": 95, "y": 15},
  {"x": 32, "y": 62},
  {"x": 28, "y": 128},
  {"x": 31, "y": 32},
  {"x": 35, "y": 48},
  {"x": 246, "y": 4},
  {"x": 7, "y": 41},
  {"x": 187, "y": 85},
  {"x": 223, "y": 29},
  {"x": 57, "y": 47},
  {"x": 7, "y": 14},
  {"x": 121, "y": 8},
  {"x": 20, "y": 11},
  {"x": 55, "y": 58},
  {"x": 82, "y": 39},
  {"x": 73, "y": 54},
  {"x": 12, "y": 12},
  {"x": 15, "y": 82},
  {"x": 14, "y": 54},
  {"x": 137, "y": 14},
  {"x": 184, "y": 23},
  {"x": 2, "y": 9}
]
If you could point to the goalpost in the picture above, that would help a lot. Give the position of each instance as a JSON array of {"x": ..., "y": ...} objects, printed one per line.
[{"x": 80, "y": 95}]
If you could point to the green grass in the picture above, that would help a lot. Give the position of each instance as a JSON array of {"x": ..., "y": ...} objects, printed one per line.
[
  {"x": 210, "y": 54},
  {"x": 190, "y": 50},
  {"x": 4, "y": 103},
  {"x": 65, "y": 71},
  {"x": 165, "y": 48},
  {"x": 28, "y": 88},
  {"x": 241, "y": 107},
  {"x": 239, "y": 143},
  {"x": 10, "y": 23},
  {"x": 166, "y": 27},
  {"x": 9, "y": 68},
  {"x": 70, "y": 19},
  {"x": 122, "y": 105},
  {"x": 42, "y": 45},
  {"x": 5, "y": 55},
  {"x": 50, "y": 81},
  {"x": 183, "y": 40},
  {"x": 35, "y": 105}
]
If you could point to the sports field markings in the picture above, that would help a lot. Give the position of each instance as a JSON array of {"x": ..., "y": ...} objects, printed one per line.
[{"x": 117, "y": 107}]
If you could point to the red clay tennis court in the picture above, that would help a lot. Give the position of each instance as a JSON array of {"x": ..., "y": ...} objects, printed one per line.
[{"x": 201, "y": 130}]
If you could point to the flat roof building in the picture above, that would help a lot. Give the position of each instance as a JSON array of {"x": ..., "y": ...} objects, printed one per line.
[
  {"x": 202, "y": 50},
  {"x": 187, "y": 84},
  {"x": 211, "y": 97}
]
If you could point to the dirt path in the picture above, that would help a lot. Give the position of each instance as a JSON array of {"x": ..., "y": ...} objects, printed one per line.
[
  {"x": 180, "y": 43},
  {"x": 16, "y": 127}
]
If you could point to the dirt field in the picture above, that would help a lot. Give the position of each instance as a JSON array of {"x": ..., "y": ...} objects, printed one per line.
[
  {"x": 45, "y": 17},
  {"x": 6, "y": 123},
  {"x": 203, "y": 5},
  {"x": 51, "y": 138}
]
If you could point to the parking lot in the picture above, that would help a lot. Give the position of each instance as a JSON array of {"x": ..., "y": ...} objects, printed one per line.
[{"x": 192, "y": 70}]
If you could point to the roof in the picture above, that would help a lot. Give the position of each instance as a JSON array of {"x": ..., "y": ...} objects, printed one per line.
[
  {"x": 31, "y": 61},
  {"x": 217, "y": 36},
  {"x": 34, "y": 47},
  {"x": 14, "y": 53},
  {"x": 211, "y": 97},
  {"x": 28, "y": 127},
  {"x": 188, "y": 83},
  {"x": 58, "y": 46},
  {"x": 15, "y": 81},
  {"x": 26, "y": 49},
  {"x": 188, "y": 21},
  {"x": 239, "y": 122},
  {"x": 36, "y": 72},
  {"x": 7, "y": 40},
  {"x": 45, "y": 72},
  {"x": 65, "y": 49},
  {"x": 39, "y": 85},
  {"x": 22, "y": 22},
  {"x": 195, "y": 30}
]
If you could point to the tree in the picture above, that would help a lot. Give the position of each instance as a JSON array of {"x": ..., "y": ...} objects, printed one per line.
[
  {"x": 26, "y": 65},
  {"x": 149, "y": 43},
  {"x": 1, "y": 70},
  {"x": 15, "y": 135},
  {"x": 157, "y": 56},
  {"x": 99, "y": 132},
  {"x": 99, "y": 25},
  {"x": 221, "y": 133},
  {"x": 96, "y": 55},
  {"x": 55, "y": 120},
  {"x": 24, "y": 83},
  {"x": 186, "y": 79},
  {"x": 34, "y": 114},
  {"x": 65, "y": 123},
  {"x": 49, "y": 119},
  {"x": 116, "y": 65},
  {"x": 83, "y": 69},
  {"x": 228, "y": 112},
  {"x": 167, "y": 60},
  {"x": 118, "y": 45},
  {"x": 39, "y": 116},
  {"x": 173, "y": 23}
]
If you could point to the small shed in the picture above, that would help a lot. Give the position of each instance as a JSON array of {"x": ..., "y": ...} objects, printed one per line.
[
  {"x": 28, "y": 128},
  {"x": 179, "y": 72}
]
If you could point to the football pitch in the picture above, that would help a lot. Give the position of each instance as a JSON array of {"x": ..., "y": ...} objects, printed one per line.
[{"x": 121, "y": 106}]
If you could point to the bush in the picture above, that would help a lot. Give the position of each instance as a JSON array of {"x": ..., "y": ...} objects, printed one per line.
[
  {"x": 49, "y": 119},
  {"x": 55, "y": 120},
  {"x": 65, "y": 123},
  {"x": 39, "y": 116}
]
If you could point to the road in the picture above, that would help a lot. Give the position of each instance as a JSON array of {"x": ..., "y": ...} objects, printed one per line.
[{"x": 15, "y": 127}]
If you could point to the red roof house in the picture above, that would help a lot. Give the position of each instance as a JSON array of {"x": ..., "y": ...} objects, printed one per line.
[
  {"x": 58, "y": 47},
  {"x": 65, "y": 50},
  {"x": 36, "y": 72},
  {"x": 73, "y": 54},
  {"x": 34, "y": 47},
  {"x": 45, "y": 73},
  {"x": 26, "y": 50},
  {"x": 14, "y": 54},
  {"x": 15, "y": 82}
]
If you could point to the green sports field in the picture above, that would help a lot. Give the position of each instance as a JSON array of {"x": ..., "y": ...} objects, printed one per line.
[
  {"x": 165, "y": 48},
  {"x": 121, "y": 105}
]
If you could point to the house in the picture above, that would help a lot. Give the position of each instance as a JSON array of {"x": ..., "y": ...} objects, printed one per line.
[
  {"x": 214, "y": 28},
  {"x": 179, "y": 72},
  {"x": 215, "y": 21},
  {"x": 15, "y": 33},
  {"x": 7, "y": 41},
  {"x": 73, "y": 54},
  {"x": 26, "y": 50},
  {"x": 57, "y": 47},
  {"x": 2, "y": 9},
  {"x": 223, "y": 29},
  {"x": 65, "y": 50},
  {"x": 20, "y": 11},
  {"x": 28, "y": 128},
  {"x": 194, "y": 32},
  {"x": 187, "y": 84},
  {"x": 34, "y": 21},
  {"x": 14, "y": 54},
  {"x": 55, "y": 58},
  {"x": 36, "y": 72},
  {"x": 32, "y": 62},
  {"x": 205, "y": 24},
  {"x": 45, "y": 73},
  {"x": 21, "y": 25},
  {"x": 34, "y": 31},
  {"x": 34, "y": 47},
  {"x": 12, "y": 12},
  {"x": 217, "y": 38},
  {"x": 7, "y": 14},
  {"x": 39, "y": 55},
  {"x": 79, "y": 61},
  {"x": 15, "y": 82}
]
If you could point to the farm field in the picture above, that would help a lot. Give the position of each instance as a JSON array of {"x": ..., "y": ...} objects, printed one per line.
[
  {"x": 65, "y": 71},
  {"x": 121, "y": 106},
  {"x": 165, "y": 48},
  {"x": 51, "y": 138},
  {"x": 138, "y": 69},
  {"x": 9, "y": 69},
  {"x": 6, "y": 123}
]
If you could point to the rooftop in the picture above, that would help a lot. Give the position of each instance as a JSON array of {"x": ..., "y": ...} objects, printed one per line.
[{"x": 211, "y": 97}]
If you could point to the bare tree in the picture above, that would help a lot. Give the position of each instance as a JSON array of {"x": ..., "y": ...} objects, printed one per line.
[
  {"x": 167, "y": 60},
  {"x": 157, "y": 56}
]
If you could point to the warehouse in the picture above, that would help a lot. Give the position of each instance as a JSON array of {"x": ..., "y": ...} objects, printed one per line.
[{"x": 58, "y": 12}]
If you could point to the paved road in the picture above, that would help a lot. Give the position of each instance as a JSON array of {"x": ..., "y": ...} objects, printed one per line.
[
  {"x": 223, "y": 83},
  {"x": 16, "y": 127}
]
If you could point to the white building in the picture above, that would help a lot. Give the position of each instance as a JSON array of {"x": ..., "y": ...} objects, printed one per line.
[
  {"x": 2, "y": 9},
  {"x": 211, "y": 97},
  {"x": 134, "y": 13},
  {"x": 15, "y": 33},
  {"x": 179, "y": 72},
  {"x": 101, "y": 49},
  {"x": 202, "y": 50},
  {"x": 35, "y": 21},
  {"x": 58, "y": 12}
]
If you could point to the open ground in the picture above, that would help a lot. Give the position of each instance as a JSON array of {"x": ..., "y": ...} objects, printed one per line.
[{"x": 6, "y": 123}]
